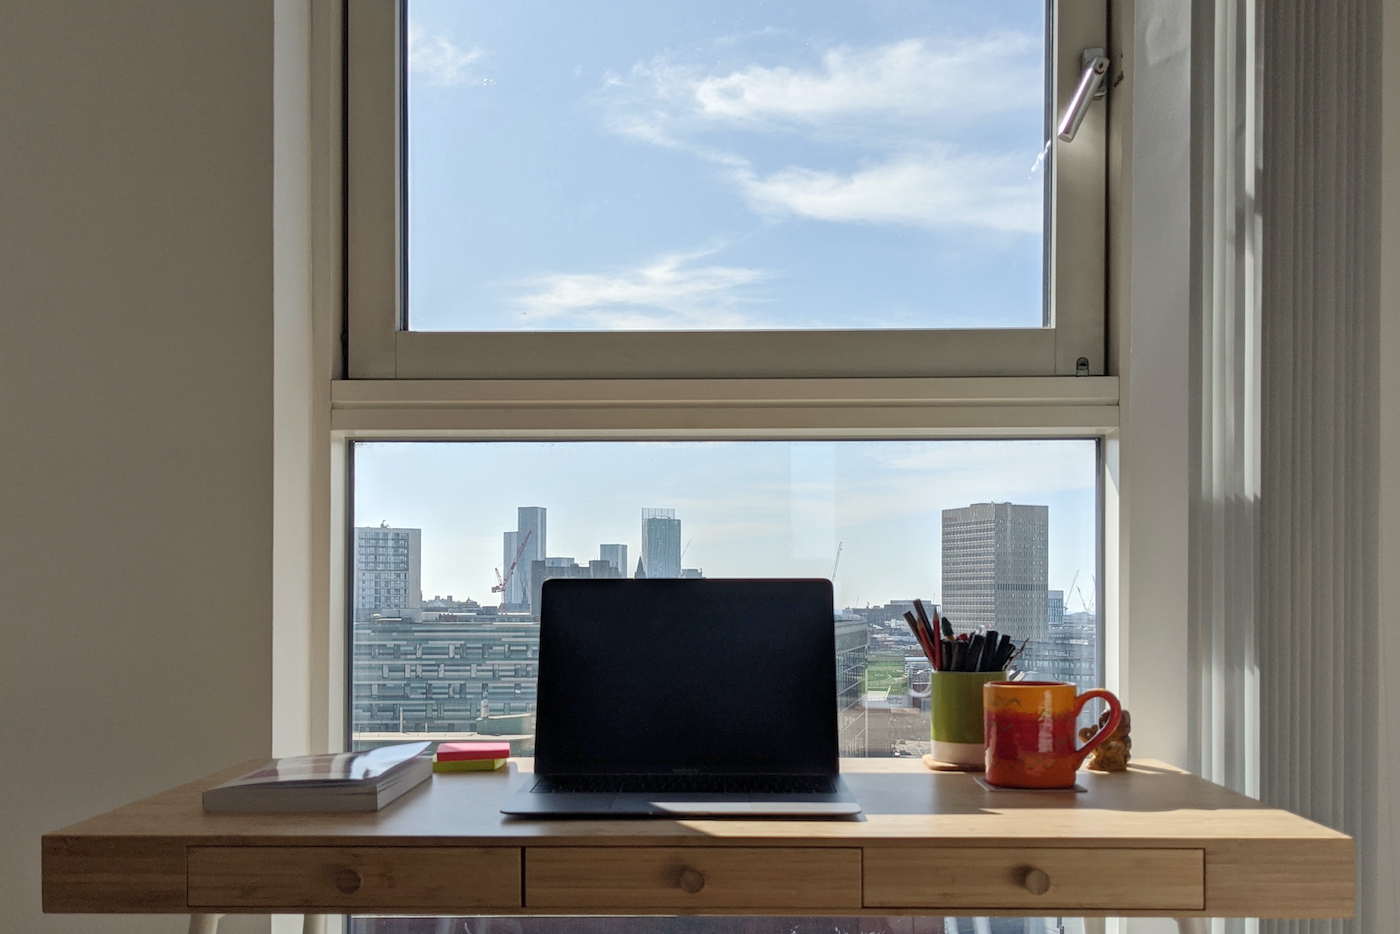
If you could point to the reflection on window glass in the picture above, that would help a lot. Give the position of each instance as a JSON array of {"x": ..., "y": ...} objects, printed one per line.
[
  {"x": 453, "y": 541},
  {"x": 731, "y": 164}
]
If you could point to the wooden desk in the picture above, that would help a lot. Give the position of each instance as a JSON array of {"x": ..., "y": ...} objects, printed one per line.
[{"x": 1153, "y": 841}]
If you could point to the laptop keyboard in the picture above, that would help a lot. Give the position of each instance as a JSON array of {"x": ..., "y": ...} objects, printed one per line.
[{"x": 689, "y": 784}]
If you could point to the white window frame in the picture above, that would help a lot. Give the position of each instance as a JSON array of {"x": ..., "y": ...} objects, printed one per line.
[
  {"x": 379, "y": 346},
  {"x": 1141, "y": 411}
]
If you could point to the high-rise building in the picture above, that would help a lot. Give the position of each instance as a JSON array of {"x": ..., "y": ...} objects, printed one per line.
[
  {"x": 661, "y": 543},
  {"x": 513, "y": 595},
  {"x": 549, "y": 568},
  {"x": 616, "y": 555},
  {"x": 531, "y": 522},
  {"x": 996, "y": 569},
  {"x": 388, "y": 572}
]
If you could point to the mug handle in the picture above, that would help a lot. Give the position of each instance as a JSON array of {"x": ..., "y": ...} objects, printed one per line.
[{"x": 1114, "y": 718}]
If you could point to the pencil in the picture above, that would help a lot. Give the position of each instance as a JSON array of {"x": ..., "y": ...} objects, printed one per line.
[
  {"x": 919, "y": 636},
  {"x": 936, "y": 632},
  {"x": 930, "y": 632}
]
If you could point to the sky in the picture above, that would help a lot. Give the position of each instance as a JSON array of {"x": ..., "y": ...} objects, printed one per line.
[
  {"x": 765, "y": 509},
  {"x": 664, "y": 164}
]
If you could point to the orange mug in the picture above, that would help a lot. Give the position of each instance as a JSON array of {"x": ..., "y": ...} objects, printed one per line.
[{"x": 1029, "y": 727}]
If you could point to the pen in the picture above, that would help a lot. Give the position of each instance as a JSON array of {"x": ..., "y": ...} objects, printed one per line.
[
  {"x": 974, "y": 653},
  {"x": 1004, "y": 650},
  {"x": 989, "y": 652}
]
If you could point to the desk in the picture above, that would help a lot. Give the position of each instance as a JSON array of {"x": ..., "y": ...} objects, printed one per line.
[{"x": 1152, "y": 841}]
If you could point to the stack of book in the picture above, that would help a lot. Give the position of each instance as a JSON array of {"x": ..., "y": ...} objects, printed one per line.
[
  {"x": 470, "y": 757},
  {"x": 347, "y": 781}
]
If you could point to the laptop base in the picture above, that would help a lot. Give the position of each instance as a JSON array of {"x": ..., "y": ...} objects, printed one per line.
[{"x": 530, "y": 803}]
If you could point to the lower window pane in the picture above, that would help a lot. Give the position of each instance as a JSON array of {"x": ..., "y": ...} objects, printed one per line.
[{"x": 453, "y": 540}]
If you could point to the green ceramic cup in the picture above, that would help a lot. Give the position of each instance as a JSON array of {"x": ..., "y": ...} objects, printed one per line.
[{"x": 956, "y": 699}]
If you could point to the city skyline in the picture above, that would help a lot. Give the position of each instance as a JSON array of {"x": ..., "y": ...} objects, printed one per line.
[{"x": 783, "y": 510}]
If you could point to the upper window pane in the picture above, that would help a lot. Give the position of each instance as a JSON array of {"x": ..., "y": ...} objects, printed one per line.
[{"x": 735, "y": 164}]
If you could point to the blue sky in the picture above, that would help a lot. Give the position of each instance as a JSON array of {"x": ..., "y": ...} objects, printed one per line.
[
  {"x": 776, "y": 509},
  {"x": 645, "y": 164}
]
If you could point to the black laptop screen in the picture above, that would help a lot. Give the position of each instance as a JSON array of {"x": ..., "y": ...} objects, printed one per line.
[{"x": 686, "y": 676}]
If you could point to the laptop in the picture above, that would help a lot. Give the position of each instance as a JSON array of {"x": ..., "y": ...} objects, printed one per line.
[{"x": 686, "y": 698}]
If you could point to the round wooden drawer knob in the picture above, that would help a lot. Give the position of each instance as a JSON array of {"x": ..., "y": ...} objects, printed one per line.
[
  {"x": 1035, "y": 881},
  {"x": 348, "y": 881},
  {"x": 692, "y": 880}
]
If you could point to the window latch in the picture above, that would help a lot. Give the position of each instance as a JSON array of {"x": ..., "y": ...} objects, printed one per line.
[{"x": 1092, "y": 87}]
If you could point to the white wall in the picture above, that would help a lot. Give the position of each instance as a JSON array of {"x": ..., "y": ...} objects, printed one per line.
[{"x": 135, "y": 413}]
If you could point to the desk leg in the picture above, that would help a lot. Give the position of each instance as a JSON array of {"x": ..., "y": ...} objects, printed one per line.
[
  {"x": 313, "y": 924},
  {"x": 1193, "y": 925},
  {"x": 204, "y": 924}
]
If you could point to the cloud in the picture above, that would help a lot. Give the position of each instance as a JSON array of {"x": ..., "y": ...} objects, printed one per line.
[
  {"x": 936, "y": 189},
  {"x": 669, "y": 293},
  {"x": 904, "y": 106},
  {"x": 908, "y": 79},
  {"x": 440, "y": 60}
]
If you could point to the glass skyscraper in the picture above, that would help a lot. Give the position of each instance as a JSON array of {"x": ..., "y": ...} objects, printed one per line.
[{"x": 661, "y": 543}]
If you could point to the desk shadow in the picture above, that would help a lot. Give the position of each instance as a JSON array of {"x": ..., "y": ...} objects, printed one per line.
[{"x": 959, "y": 793}]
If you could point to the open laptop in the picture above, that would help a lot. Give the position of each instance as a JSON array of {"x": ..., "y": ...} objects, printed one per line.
[{"x": 686, "y": 697}]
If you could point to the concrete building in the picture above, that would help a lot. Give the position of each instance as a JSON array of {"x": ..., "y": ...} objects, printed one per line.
[
  {"x": 616, "y": 555},
  {"x": 513, "y": 596},
  {"x": 443, "y": 676},
  {"x": 388, "y": 572},
  {"x": 1072, "y": 651},
  {"x": 661, "y": 543},
  {"x": 531, "y": 521},
  {"x": 852, "y": 648},
  {"x": 541, "y": 571},
  {"x": 996, "y": 569}
]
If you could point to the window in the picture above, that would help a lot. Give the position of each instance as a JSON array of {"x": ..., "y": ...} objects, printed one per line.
[
  {"x": 646, "y": 190},
  {"x": 1001, "y": 534},
  {"x": 803, "y": 379}
]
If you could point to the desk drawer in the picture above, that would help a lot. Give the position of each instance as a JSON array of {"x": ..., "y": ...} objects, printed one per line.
[
  {"x": 692, "y": 877},
  {"x": 1039, "y": 879},
  {"x": 353, "y": 877}
]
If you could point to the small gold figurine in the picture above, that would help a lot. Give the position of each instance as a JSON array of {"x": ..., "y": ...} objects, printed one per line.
[{"x": 1113, "y": 753}]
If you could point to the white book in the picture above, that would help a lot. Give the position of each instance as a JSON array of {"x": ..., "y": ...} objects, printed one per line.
[{"x": 347, "y": 781}]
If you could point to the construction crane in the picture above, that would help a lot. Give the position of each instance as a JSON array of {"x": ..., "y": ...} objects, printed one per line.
[
  {"x": 837, "y": 563},
  {"x": 1088, "y": 605},
  {"x": 1074, "y": 588},
  {"x": 503, "y": 582}
]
